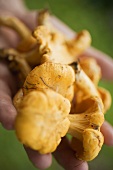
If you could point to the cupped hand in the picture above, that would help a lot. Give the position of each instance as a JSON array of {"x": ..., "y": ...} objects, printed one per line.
[{"x": 64, "y": 154}]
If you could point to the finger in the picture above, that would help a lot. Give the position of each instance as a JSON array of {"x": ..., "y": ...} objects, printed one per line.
[
  {"x": 7, "y": 89},
  {"x": 105, "y": 62},
  {"x": 66, "y": 157},
  {"x": 62, "y": 27},
  {"x": 38, "y": 160},
  {"x": 30, "y": 19},
  {"x": 15, "y": 8},
  {"x": 3, "y": 42},
  {"x": 9, "y": 36},
  {"x": 107, "y": 131},
  {"x": 7, "y": 78},
  {"x": 7, "y": 110}
]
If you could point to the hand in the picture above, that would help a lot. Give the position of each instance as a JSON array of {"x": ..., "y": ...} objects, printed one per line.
[{"x": 8, "y": 112}]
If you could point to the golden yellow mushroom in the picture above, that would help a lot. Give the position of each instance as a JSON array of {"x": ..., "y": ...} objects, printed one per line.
[
  {"x": 42, "y": 119},
  {"x": 85, "y": 126},
  {"x": 106, "y": 98},
  {"x": 91, "y": 68},
  {"x": 86, "y": 84},
  {"x": 58, "y": 77},
  {"x": 56, "y": 48},
  {"x": 90, "y": 146},
  {"x": 17, "y": 63},
  {"x": 27, "y": 40},
  {"x": 83, "y": 83}
]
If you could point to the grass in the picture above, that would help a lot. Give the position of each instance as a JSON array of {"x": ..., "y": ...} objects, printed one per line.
[{"x": 78, "y": 15}]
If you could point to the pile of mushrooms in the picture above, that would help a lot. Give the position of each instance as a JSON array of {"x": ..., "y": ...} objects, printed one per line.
[{"x": 59, "y": 93}]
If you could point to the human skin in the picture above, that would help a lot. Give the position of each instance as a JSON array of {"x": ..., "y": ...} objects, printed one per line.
[{"x": 8, "y": 89}]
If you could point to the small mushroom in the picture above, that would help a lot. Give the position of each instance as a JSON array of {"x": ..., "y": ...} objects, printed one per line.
[
  {"x": 17, "y": 63},
  {"x": 56, "y": 48},
  {"x": 27, "y": 40},
  {"x": 106, "y": 98},
  {"x": 87, "y": 85},
  {"x": 85, "y": 126},
  {"x": 15, "y": 24},
  {"x": 42, "y": 120},
  {"x": 75, "y": 46},
  {"x": 91, "y": 68},
  {"x": 83, "y": 83},
  {"x": 32, "y": 57}
]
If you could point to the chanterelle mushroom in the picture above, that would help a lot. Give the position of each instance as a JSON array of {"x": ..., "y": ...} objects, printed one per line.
[
  {"x": 58, "y": 77},
  {"x": 16, "y": 62},
  {"x": 27, "y": 41},
  {"x": 106, "y": 98},
  {"x": 86, "y": 83},
  {"x": 42, "y": 119},
  {"x": 56, "y": 48},
  {"x": 83, "y": 83},
  {"x": 91, "y": 68},
  {"x": 85, "y": 126}
]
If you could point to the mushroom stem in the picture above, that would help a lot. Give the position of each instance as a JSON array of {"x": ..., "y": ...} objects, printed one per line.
[
  {"x": 77, "y": 125},
  {"x": 91, "y": 68},
  {"x": 32, "y": 57},
  {"x": 16, "y": 63},
  {"x": 85, "y": 117},
  {"x": 24, "y": 32},
  {"x": 27, "y": 44},
  {"x": 106, "y": 98},
  {"x": 16, "y": 25},
  {"x": 83, "y": 82}
]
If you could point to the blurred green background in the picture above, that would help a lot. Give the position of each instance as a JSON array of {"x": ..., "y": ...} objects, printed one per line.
[{"x": 97, "y": 17}]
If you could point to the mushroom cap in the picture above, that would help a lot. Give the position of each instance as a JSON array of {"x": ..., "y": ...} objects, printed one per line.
[
  {"x": 42, "y": 120},
  {"x": 18, "y": 98},
  {"x": 91, "y": 145},
  {"x": 53, "y": 46},
  {"x": 68, "y": 48},
  {"x": 58, "y": 77},
  {"x": 79, "y": 43}
]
